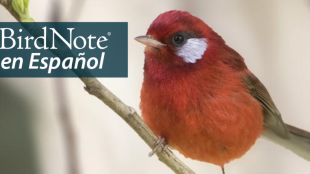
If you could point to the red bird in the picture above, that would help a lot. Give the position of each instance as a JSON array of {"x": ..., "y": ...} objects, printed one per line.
[{"x": 200, "y": 97}]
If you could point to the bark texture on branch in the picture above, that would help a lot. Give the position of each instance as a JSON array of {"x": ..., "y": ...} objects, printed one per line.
[{"x": 94, "y": 87}]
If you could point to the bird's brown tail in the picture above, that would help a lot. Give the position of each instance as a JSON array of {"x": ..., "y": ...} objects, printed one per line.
[{"x": 298, "y": 141}]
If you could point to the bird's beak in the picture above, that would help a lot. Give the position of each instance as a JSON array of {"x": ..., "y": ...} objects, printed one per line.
[{"x": 149, "y": 41}]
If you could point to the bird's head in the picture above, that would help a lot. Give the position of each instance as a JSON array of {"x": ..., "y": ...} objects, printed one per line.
[{"x": 176, "y": 39}]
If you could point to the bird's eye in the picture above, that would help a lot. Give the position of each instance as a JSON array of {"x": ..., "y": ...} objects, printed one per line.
[{"x": 178, "y": 39}]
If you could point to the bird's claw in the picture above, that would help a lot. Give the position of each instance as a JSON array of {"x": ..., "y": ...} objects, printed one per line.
[{"x": 160, "y": 145}]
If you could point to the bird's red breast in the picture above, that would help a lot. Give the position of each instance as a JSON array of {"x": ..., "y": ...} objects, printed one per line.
[{"x": 200, "y": 105}]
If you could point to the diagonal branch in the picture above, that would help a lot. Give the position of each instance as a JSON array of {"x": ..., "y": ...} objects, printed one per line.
[{"x": 94, "y": 87}]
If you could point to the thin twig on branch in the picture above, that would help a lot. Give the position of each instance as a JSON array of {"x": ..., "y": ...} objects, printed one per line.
[{"x": 94, "y": 87}]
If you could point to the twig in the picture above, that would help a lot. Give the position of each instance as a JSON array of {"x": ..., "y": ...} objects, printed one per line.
[{"x": 94, "y": 87}]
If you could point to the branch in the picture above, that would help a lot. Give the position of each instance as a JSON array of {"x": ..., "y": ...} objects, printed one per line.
[{"x": 94, "y": 87}]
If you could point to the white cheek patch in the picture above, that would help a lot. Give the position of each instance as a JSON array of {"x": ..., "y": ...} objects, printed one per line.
[{"x": 192, "y": 50}]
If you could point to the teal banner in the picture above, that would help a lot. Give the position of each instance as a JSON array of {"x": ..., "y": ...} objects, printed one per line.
[{"x": 61, "y": 49}]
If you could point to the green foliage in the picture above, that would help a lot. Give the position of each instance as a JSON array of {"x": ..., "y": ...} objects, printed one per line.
[{"x": 21, "y": 8}]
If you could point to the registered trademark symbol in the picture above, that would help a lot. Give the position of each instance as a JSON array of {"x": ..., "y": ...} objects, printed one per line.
[{"x": 109, "y": 33}]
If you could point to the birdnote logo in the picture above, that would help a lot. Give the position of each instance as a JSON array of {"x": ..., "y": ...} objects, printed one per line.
[{"x": 58, "y": 49}]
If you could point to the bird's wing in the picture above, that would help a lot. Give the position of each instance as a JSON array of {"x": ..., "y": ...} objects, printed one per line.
[{"x": 272, "y": 116}]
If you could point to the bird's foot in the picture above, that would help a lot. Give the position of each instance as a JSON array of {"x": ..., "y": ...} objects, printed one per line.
[{"x": 159, "y": 146}]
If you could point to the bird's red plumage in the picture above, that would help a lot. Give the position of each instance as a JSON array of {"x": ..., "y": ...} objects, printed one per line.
[{"x": 203, "y": 109}]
